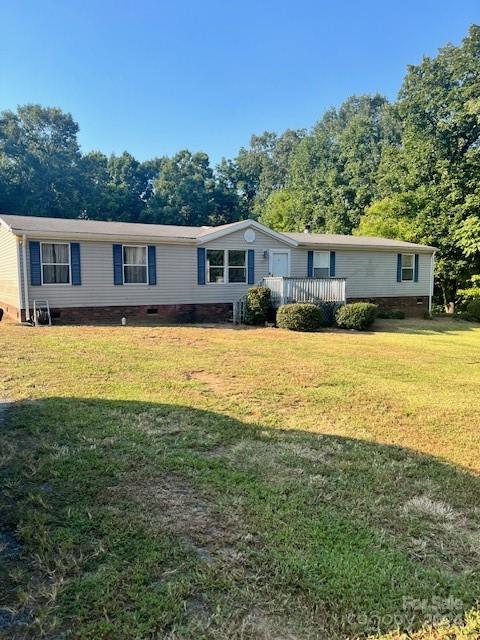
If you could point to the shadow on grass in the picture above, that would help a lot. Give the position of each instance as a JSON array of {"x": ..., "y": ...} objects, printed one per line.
[{"x": 130, "y": 519}]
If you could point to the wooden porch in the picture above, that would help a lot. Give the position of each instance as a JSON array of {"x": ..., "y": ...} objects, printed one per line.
[
  {"x": 316, "y": 290},
  {"x": 285, "y": 290}
]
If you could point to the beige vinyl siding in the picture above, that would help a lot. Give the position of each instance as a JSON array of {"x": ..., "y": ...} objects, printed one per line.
[
  {"x": 368, "y": 273},
  {"x": 374, "y": 273},
  {"x": 176, "y": 276},
  {"x": 230, "y": 292},
  {"x": 9, "y": 269}
]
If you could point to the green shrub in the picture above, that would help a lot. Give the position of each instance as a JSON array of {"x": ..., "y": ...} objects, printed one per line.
[
  {"x": 473, "y": 308},
  {"x": 259, "y": 308},
  {"x": 303, "y": 316},
  {"x": 329, "y": 309},
  {"x": 391, "y": 315},
  {"x": 465, "y": 296},
  {"x": 359, "y": 315}
]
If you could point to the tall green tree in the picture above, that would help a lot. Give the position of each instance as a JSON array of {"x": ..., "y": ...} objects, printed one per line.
[
  {"x": 188, "y": 192},
  {"x": 132, "y": 183},
  {"x": 436, "y": 166},
  {"x": 39, "y": 162},
  {"x": 334, "y": 168},
  {"x": 261, "y": 169}
]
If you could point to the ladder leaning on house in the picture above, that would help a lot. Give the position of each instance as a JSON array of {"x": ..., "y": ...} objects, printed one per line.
[{"x": 41, "y": 313}]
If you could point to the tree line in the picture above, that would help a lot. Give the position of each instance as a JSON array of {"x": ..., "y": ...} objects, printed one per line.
[{"x": 408, "y": 169}]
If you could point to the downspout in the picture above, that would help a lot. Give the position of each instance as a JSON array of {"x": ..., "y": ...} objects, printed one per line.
[
  {"x": 432, "y": 268},
  {"x": 25, "y": 277}
]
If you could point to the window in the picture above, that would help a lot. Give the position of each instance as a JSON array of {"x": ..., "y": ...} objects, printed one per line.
[
  {"x": 226, "y": 266},
  {"x": 321, "y": 264},
  {"x": 216, "y": 265},
  {"x": 237, "y": 266},
  {"x": 55, "y": 263},
  {"x": 407, "y": 266},
  {"x": 134, "y": 264}
]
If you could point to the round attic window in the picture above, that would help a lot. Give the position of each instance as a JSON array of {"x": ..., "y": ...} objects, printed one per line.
[{"x": 249, "y": 235}]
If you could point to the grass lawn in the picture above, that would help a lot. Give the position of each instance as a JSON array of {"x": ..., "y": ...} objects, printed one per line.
[{"x": 206, "y": 482}]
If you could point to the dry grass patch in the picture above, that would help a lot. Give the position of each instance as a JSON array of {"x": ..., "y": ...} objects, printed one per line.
[{"x": 169, "y": 504}]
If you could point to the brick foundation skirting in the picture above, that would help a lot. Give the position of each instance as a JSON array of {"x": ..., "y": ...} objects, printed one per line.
[
  {"x": 12, "y": 312},
  {"x": 190, "y": 313},
  {"x": 152, "y": 313},
  {"x": 410, "y": 305}
]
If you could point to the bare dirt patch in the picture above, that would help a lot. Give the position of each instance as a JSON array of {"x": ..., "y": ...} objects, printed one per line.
[{"x": 212, "y": 381}]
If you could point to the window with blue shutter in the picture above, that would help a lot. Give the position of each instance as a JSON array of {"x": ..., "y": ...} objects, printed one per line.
[
  {"x": 251, "y": 266},
  {"x": 399, "y": 267},
  {"x": 152, "y": 265},
  {"x": 415, "y": 270},
  {"x": 310, "y": 264},
  {"x": 117, "y": 264},
  {"x": 332, "y": 264},
  {"x": 75, "y": 263},
  {"x": 200, "y": 265},
  {"x": 35, "y": 263}
]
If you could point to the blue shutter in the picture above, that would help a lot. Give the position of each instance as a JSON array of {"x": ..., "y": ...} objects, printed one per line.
[
  {"x": 152, "y": 265},
  {"x": 251, "y": 266},
  {"x": 310, "y": 264},
  {"x": 201, "y": 265},
  {"x": 332, "y": 264},
  {"x": 117, "y": 264},
  {"x": 399, "y": 267},
  {"x": 35, "y": 266},
  {"x": 75, "y": 263},
  {"x": 415, "y": 270}
]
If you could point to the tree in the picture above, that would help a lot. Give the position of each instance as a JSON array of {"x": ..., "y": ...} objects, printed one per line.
[
  {"x": 132, "y": 183},
  {"x": 467, "y": 236},
  {"x": 437, "y": 164},
  {"x": 389, "y": 218},
  {"x": 39, "y": 162},
  {"x": 261, "y": 169},
  {"x": 187, "y": 192},
  {"x": 334, "y": 169},
  {"x": 97, "y": 200},
  {"x": 279, "y": 211}
]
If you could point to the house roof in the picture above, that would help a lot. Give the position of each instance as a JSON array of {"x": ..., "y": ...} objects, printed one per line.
[
  {"x": 361, "y": 242},
  {"x": 61, "y": 227},
  {"x": 29, "y": 224}
]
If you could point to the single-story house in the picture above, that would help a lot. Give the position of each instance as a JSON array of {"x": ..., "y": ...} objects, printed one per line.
[{"x": 89, "y": 270}]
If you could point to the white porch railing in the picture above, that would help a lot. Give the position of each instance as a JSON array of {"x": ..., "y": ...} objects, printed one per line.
[{"x": 315, "y": 290}]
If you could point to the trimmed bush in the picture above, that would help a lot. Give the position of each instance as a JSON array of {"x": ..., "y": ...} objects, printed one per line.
[
  {"x": 473, "y": 309},
  {"x": 259, "y": 308},
  {"x": 359, "y": 315},
  {"x": 304, "y": 316}
]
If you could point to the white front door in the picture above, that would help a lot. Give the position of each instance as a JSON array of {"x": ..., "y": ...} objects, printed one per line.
[{"x": 280, "y": 263}]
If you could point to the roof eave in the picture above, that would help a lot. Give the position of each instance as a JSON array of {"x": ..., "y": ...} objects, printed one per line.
[
  {"x": 108, "y": 237},
  {"x": 414, "y": 247}
]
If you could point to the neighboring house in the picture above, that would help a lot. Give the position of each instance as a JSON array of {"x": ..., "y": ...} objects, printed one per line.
[{"x": 90, "y": 270}]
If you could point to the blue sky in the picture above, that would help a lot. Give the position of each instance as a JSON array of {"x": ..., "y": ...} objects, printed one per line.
[{"x": 154, "y": 77}]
